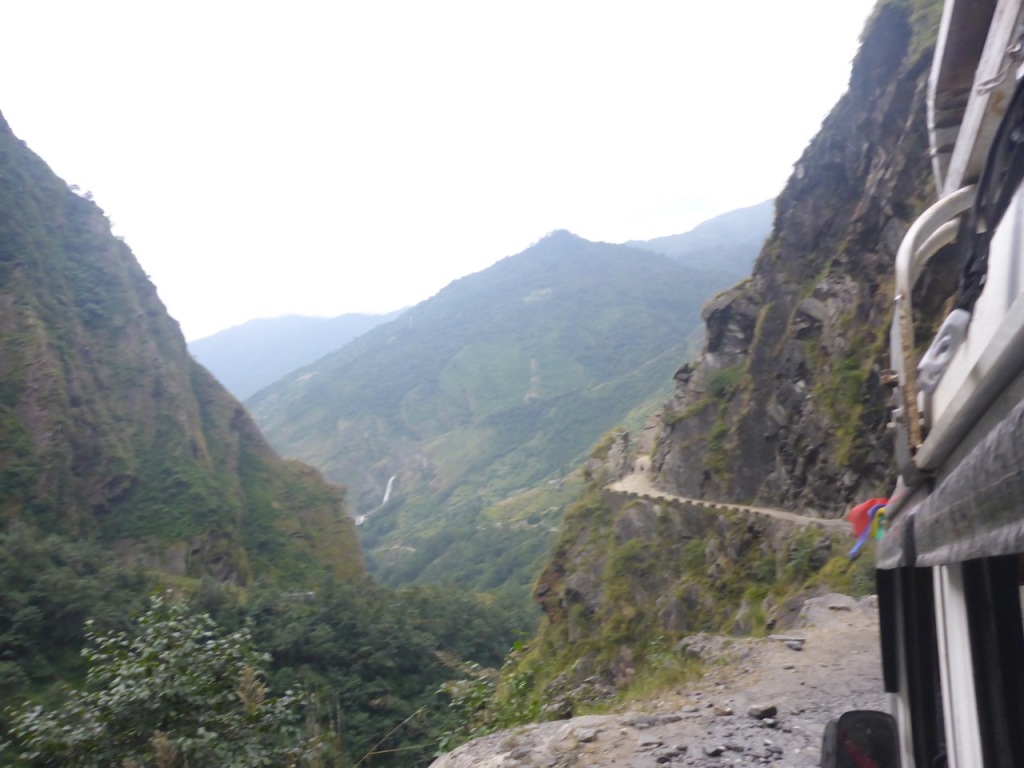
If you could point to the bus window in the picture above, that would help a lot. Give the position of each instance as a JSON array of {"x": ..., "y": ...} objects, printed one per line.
[
  {"x": 992, "y": 587},
  {"x": 921, "y": 656}
]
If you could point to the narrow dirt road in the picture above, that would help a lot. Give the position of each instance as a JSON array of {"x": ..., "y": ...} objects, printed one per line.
[
  {"x": 639, "y": 484},
  {"x": 762, "y": 702},
  {"x": 829, "y": 665}
]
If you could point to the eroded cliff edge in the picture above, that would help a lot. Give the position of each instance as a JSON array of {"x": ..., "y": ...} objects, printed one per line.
[{"x": 783, "y": 406}]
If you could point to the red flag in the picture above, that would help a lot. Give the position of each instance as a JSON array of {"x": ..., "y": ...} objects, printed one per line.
[{"x": 859, "y": 518}]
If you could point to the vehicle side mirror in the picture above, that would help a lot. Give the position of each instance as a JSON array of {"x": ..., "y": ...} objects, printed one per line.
[{"x": 859, "y": 739}]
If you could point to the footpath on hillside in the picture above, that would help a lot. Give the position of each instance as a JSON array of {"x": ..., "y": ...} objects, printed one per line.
[
  {"x": 761, "y": 702},
  {"x": 639, "y": 484}
]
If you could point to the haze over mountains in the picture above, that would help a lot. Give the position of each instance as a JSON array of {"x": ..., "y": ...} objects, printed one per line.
[
  {"x": 729, "y": 242},
  {"x": 250, "y": 356},
  {"x": 501, "y": 382}
]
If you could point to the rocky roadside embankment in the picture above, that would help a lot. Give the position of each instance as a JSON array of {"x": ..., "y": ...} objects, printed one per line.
[{"x": 761, "y": 702}]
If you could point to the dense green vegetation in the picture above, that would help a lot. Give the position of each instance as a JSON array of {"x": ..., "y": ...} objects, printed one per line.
[
  {"x": 499, "y": 384},
  {"x": 108, "y": 428},
  {"x": 49, "y": 587},
  {"x": 177, "y": 691},
  {"x": 645, "y": 575},
  {"x": 365, "y": 659}
]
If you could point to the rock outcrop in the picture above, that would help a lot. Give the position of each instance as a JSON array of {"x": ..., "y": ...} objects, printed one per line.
[
  {"x": 632, "y": 575},
  {"x": 784, "y": 406}
]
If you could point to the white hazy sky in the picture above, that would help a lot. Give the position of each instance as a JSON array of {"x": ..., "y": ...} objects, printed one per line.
[{"x": 315, "y": 157}]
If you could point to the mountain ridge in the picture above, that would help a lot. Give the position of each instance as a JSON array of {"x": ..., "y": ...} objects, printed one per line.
[
  {"x": 732, "y": 239},
  {"x": 503, "y": 380},
  {"x": 108, "y": 428},
  {"x": 248, "y": 357}
]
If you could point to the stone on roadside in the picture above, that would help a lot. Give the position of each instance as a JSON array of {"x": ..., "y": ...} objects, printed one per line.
[
  {"x": 586, "y": 735},
  {"x": 649, "y": 742},
  {"x": 761, "y": 711},
  {"x": 669, "y": 754}
]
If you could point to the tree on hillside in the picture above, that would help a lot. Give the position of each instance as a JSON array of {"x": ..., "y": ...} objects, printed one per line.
[{"x": 181, "y": 691}]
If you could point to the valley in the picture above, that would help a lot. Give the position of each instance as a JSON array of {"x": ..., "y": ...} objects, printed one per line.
[
  {"x": 497, "y": 386},
  {"x": 597, "y": 484}
]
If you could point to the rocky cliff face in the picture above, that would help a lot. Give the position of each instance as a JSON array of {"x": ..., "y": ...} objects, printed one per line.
[
  {"x": 784, "y": 406},
  {"x": 634, "y": 574},
  {"x": 108, "y": 428}
]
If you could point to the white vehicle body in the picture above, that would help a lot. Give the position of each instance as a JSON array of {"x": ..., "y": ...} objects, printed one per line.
[{"x": 950, "y": 563}]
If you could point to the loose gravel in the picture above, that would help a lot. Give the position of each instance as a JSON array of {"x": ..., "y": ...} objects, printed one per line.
[{"x": 763, "y": 702}]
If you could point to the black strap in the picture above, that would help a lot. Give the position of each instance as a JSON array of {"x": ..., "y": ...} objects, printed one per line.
[{"x": 1002, "y": 175}]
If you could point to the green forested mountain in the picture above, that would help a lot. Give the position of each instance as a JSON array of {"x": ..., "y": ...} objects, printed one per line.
[
  {"x": 126, "y": 469},
  {"x": 109, "y": 430},
  {"x": 250, "y": 356},
  {"x": 501, "y": 382}
]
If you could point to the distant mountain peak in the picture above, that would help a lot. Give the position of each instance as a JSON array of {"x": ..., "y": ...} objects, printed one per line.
[
  {"x": 499, "y": 383},
  {"x": 557, "y": 235},
  {"x": 250, "y": 356},
  {"x": 731, "y": 241}
]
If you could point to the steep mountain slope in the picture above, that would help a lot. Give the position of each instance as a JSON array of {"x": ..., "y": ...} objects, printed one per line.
[
  {"x": 250, "y": 356},
  {"x": 728, "y": 243},
  {"x": 109, "y": 429},
  {"x": 784, "y": 404},
  {"x": 500, "y": 382},
  {"x": 783, "y": 407}
]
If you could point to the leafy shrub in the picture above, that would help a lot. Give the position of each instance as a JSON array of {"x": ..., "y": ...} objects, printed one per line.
[
  {"x": 722, "y": 383},
  {"x": 485, "y": 700},
  {"x": 181, "y": 692}
]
